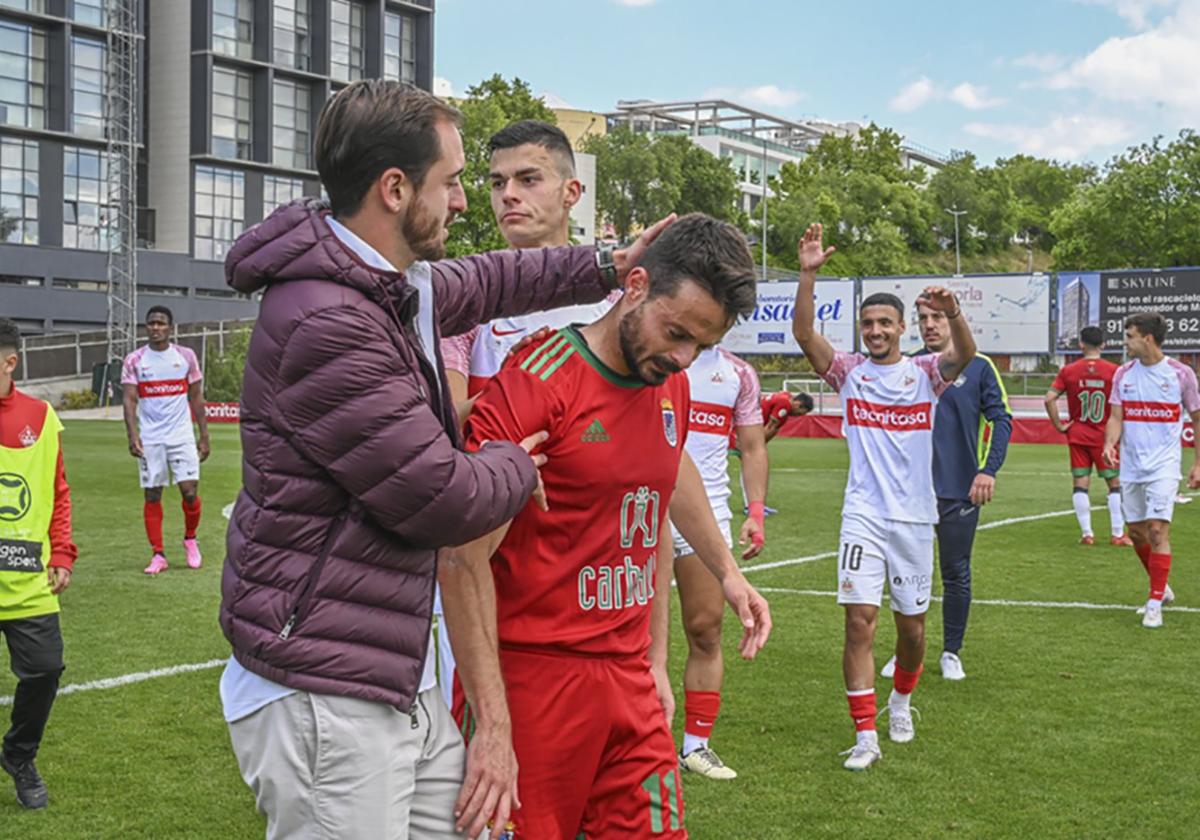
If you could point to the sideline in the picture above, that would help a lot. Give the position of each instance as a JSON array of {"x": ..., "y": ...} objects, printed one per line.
[{"x": 1003, "y": 602}]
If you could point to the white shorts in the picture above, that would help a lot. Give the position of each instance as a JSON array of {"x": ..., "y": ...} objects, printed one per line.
[
  {"x": 874, "y": 551},
  {"x": 724, "y": 517},
  {"x": 180, "y": 459},
  {"x": 1142, "y": 500}
]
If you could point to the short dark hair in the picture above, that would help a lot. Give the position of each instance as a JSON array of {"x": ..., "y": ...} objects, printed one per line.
[
  {"x": 1149, "y": 324},
  {"x": 1091, "y": 337},
  {"x": 805, "y": 399},
  {"x": 709, "y": 252},
  {"x": 10, "y": 335},
  {"x": 371, "y": 126},
  {"x": 883, "y": 299},
  {"x": 159, "y": 309},
  {"x": 537, "y": 133}
]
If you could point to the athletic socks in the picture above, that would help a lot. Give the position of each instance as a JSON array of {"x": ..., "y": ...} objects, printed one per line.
[
  {"x": 1083, "y": 510},
  {"x": 903, "y": 684},
  {"x": 1143, "y": 553},
  {"x": 152, "y": 513},
  {"x": 863, "y": 710},
  {"x": 1159, "y": 567},
  {"x": 191, "y": 519},
  {"x": 1114, "y": 512},
  {"x": 700, "y": 709}
]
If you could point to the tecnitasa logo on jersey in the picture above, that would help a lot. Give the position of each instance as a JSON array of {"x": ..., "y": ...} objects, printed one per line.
[
  {"x": 709, "y": 417},
  {"x": 891, "y": 418},
  {"x": 1152, "y": 412}
]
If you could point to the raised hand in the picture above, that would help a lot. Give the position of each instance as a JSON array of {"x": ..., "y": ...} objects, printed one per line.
[
  {"x": 939, "y": 299},
  {"x": 810, "y": 251},
  {"x": 625, "y": 259}
]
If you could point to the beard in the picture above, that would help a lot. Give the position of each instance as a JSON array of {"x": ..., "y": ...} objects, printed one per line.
[
  {"x": 423, "y": 232},
  {"x": 647, "y": 368}
]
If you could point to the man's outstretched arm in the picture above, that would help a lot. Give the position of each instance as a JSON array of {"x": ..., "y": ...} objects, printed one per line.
[{"x": 812, "y": 255}]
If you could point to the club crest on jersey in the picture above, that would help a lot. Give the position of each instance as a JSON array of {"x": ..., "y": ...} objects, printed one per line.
[
  {"x": 908, "y": 380},
  {"x": 670, "y": 426},
  {"x": 717, "y": 377},
  {"x": 28, "y": 436},
  {"x": 847, "y": 585}
]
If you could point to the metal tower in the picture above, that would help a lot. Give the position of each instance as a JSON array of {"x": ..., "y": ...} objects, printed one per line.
[{"x": 123, "y": 123}]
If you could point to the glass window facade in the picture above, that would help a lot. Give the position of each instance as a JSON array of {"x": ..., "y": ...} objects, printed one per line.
[
  {"x": 19, "y": 190},
  {"x": 86, "y": 214},
  {"x": 290, "y": 125},
  {"x": 88, "y": 68},
  {"x": 292, "y": 45},
  {"x": 233, "y": 27},
  {"x": 231, "y": 113},
  {"x": 25, "y": 5},
  {"x": 220, "y": 211},
  {"x": 89, "y": 11},
  {"x": 347, "y": 53},
  {"x": 22, "y": 75},
  {"x": 277, "y": 190},
  {"x": 399, "y": 47}
]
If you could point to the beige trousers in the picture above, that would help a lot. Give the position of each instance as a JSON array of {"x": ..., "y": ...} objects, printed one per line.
[{"x": 335, "y": 768}]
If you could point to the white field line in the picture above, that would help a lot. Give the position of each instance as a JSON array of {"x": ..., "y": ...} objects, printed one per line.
[
  {"x": 129, "y": 679},
  {"x": 1003, "y": 602}
]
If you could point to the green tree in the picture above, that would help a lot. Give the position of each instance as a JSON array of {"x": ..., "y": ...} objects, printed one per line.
[
  {"x": 871, "y": 205},
  {"x": 987, "y": 196},
  {"x": 488, "y": 107},
  {"x": 628, "y": 187},
  {"x": 223, "y": 371},
  {"x": 1144, "y": 212},
  {"x": 707, "y": 183},
  {"x": 1040, "y": 187},
  {"x": 8, "y": 223}
]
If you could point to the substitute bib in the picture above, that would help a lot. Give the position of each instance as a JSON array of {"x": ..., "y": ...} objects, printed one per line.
[{"x": 26, "y": 508}]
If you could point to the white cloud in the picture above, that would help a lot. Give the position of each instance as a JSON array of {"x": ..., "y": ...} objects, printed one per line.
[
  {"x": 1160, "y": 65},
  {"x": 442, "y": 87},
  {"x": 635, "y": 2},
  {"x": 1064, "y": 137},
  {"x": 973, "y": 97},
  {"x": 1045, "y": 62},
  {"x": 764, "y": 96},
  {"x": 1136, "y": 12},
  {"x": 914, "y": 95}
]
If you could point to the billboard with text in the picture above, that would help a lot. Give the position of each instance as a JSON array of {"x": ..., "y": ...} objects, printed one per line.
[{"x": 769, "y": 327}]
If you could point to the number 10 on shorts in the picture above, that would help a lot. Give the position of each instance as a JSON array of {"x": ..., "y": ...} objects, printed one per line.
[
  {"x": 653, "y": 785},
  {"x": 851, "y": 557}
]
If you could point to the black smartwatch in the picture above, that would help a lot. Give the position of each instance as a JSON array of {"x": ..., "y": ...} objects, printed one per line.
[{"x": 606, "y": 266}]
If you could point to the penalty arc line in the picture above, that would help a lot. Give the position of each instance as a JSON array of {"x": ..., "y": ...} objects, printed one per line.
[{"x": 130, "y": 679}]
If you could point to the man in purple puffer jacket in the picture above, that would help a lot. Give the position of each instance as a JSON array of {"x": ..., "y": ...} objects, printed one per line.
[{"x": 352, "y": 471}]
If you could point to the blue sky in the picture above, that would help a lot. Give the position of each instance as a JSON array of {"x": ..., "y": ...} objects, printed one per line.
[{"x": 1070, "y": 79}]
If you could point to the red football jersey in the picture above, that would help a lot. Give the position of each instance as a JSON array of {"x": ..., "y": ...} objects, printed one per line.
[
  {"x": 1088, "y": 385},
  {"x": 777, "y": 406},
  {"x": 579, "y": 578}
]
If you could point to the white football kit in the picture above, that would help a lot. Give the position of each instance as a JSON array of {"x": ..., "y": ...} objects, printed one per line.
[
  {"x": 890, "y": 507},
  {"x": 725, "y": 396},
  {"x": 1155, "y": 402},
  {"x": 164, "y": 416}
]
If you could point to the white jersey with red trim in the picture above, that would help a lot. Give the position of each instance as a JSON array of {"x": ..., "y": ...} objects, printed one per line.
[
  {"x": 162, "y": 380},
  {"x": 1154, "y": 401},
  {"x": 480, "y": 353},
  {"x": 725, "y": 395},
  {"x": 888, "y": 422}
]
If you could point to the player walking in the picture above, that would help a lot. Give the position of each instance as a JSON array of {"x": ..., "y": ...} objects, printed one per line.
[
  {"x": 725, "y": 398},
  {"x": 1150, "y": 395},
  {"x": 1087, "y": 383},
  {"x": 163, "y": 391},
  {"x": 890, "y": 506},
  {"x": 553, "y": 636}
]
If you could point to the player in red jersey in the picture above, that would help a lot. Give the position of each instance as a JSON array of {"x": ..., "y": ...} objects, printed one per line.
[
  {"x": 556, "y": 656},
  {"x": 1087, "y": 384}
]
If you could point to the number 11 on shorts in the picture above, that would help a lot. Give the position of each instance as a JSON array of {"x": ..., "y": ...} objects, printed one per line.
[{"x": 653, "y": 785}]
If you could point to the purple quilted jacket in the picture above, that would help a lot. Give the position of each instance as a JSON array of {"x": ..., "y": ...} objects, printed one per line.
[{"x": 352, "y": 472}]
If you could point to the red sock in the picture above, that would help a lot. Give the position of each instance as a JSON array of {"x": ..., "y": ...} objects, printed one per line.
[
  {"x": 152, "y": 513},
  {"x": 862, "y": 709},
  {"x": 905, "y": 681},
  {"x": 1160, "y": 570},
  {"x": 701, "y": 709},
  {"x": 191, "y": 519},
  {"x": 1143, "y": 553}
]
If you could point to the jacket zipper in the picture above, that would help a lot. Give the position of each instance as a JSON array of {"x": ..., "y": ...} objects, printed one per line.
[{"x": 314, "y": 575}]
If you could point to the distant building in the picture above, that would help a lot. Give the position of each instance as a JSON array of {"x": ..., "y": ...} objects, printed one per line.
[
  {"x": 1074, "y": 315},
  {"x": 230, "y": 93}
]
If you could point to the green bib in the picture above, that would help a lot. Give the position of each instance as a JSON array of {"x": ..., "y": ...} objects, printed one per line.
[{"x": 26, "y": 508}]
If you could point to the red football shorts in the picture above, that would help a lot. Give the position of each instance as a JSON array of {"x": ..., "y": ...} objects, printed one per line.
[
  {"x": 1084, "y": 456},
  {"x": 596, "y": 757}
]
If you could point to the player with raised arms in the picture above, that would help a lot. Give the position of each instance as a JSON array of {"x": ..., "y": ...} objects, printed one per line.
[{"x": 890, "y": 507}]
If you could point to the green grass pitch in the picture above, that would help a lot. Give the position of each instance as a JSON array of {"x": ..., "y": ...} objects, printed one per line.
[{"x": 1072, "y": 722}]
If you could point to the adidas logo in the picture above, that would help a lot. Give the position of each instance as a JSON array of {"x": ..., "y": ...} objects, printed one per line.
[{"x": 595, "y": 433}]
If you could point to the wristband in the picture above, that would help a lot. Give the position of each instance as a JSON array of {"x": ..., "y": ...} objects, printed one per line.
[{"x": 757, "y": 512}]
